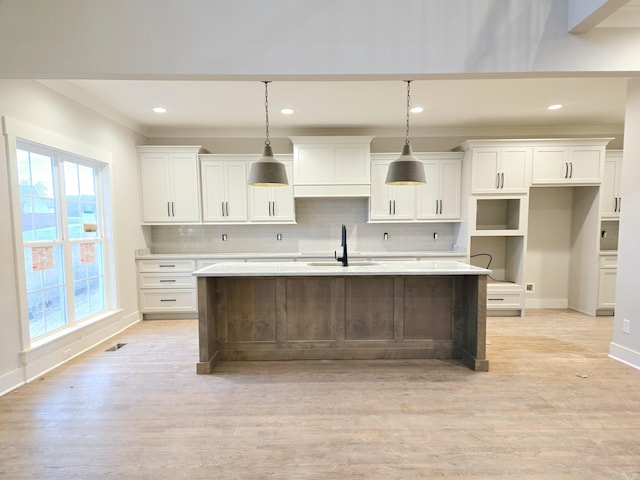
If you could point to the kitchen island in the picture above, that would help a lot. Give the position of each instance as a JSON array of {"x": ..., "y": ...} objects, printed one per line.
[{"x": 324, "y": 311}]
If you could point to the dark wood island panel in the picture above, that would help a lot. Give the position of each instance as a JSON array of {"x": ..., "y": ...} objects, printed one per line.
[{"x": 342, "y": 317}]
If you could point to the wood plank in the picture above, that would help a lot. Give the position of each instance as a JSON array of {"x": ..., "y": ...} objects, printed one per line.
[
  {"x": 314, "y": 307},
  {"x": 369, "y": 308},
  {"x": 428, "y": 307},
  {"x": 251, "y": 310}
]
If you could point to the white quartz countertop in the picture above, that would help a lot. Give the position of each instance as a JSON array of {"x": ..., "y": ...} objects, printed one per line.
[
  {"x": 301, "y": 255},
  {"x": 333, "y": 269}
]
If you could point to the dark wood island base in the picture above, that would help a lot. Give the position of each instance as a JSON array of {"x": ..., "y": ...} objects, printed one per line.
[{"x": 342, "y": 317}]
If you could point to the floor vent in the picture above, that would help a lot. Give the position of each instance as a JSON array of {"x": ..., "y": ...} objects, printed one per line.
[{"x": 116, "y": 347}]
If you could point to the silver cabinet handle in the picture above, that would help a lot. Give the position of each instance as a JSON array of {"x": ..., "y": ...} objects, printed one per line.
[
  {"x": 619, "y": 204},
  {"x": 273, "y": 209},
  {"x": 502, "y": 180},
  {"x": 615, "y": 204},
  {"x": 570, "y": 169},
  {"x": 394, "y": 207},
  {"x": 222, "y": 208},
  {"x": 173, "y": 211},
  {"x": 168, "y": 281},
  {"x": 167, "y": 266},
  {"x": 497, "y": 180},
  {"x": 440, "y": 207},
  {"x": 168, "y": 300},
  {"x": 168, "y": 210},
  {"x": 566, "y": 170}
]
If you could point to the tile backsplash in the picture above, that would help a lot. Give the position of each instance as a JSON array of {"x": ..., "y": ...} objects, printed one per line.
[{"x": 317, "y": 231}]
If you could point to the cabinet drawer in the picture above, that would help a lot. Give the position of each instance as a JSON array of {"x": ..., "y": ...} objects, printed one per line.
[
  {"x": 160, "y": 280},
  {"x": 608, "y": 261},
  {"x": 167, "y": 301},
  {"x": 504, "y": 300},
  {"x": 169, "y": 265}
]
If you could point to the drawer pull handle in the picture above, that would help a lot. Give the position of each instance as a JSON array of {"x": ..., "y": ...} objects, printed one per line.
[
  {"x": 168, "y": 281},
  {"x": 168, "y": 300},
  {"x": 167, "y": 266},
  {"x": 497, "y": 299}
]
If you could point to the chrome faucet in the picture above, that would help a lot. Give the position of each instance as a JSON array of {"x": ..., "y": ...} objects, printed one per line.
[{"x": 344, "y": 258}]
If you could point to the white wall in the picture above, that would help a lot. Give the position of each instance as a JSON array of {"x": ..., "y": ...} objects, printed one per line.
[
  {"x": 626, "y": 347},
  {"x": 549, "y": 247},
  {"x": 203, "y": 38},
  {"x": 31, "y": 102}
]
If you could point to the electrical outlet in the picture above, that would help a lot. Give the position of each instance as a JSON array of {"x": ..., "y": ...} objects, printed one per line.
[
  {"x": 530, "y": 287},
  {"x": 224, "y": 237},
  {"x": 279, "y": 236},
  {"x": 626, "y": 326},
  {"x": 385, "y": 236}
]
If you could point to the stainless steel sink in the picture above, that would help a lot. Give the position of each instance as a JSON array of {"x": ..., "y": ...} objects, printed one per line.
[{"x": 362, "y": 263}]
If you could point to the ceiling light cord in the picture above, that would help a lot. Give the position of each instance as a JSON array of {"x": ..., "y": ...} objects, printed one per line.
[
  {"x": 406, "y": 140},
  {"x": 266, "y": 112}
]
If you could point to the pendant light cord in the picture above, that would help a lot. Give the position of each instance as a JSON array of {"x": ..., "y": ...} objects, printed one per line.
[
  {"x": 266, "y": 112},
  {"x": 406, "y": 141}
]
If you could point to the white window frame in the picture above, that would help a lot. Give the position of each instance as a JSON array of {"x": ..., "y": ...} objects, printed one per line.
[{"x": 16, "y": 130}]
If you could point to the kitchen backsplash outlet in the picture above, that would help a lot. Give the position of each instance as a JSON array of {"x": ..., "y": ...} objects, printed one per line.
[{"x": 317, "y": 231}]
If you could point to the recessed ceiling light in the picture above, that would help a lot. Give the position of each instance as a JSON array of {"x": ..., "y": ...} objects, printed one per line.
[
  {"x": 555, "y": 106},
  {"x": 287, "y": 111},
  {"x": 417, "y": 110},
  {"x": 159, "y": 109}
]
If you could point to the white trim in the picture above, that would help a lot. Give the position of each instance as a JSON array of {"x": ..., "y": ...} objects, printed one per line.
[
  {"x": 16, "y": 129},
  {"x": 625, "y": 355},
  {"x": 556, "y": 303},
  {"x": 49, "y": 356},
  {"x": 11, "y": 380}
]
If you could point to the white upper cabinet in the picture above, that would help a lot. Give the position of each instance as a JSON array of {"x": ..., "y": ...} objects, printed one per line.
[
  {"x": 498, "y": 169},
  {"x": 170, "y": 186},
  {"x": 224, "y": 188},
  {"x": 438, "y": 200},
  {"x": 561, "y": 164},
  {"x": 389, "y": 202},
  {"x": 331, "y": 166},
  {"x": 610, "y": 197},
  {"x": 273, "y": 204}
]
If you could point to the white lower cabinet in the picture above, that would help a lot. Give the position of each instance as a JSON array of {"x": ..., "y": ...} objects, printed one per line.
[
  {"x": 607, "y": 282},
  {"x": 505, "y": 296},
  {"x": 167, "y": 286}
]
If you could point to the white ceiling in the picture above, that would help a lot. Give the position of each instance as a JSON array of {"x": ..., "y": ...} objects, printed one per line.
[{"x": 237, "y": 108}]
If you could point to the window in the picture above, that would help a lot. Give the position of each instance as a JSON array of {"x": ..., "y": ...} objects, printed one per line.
[{"x": 61, "y": 210}]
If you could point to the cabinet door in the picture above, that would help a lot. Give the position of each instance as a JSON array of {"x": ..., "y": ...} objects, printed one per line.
[
  {"x": 283, "y": 201},
  {"x": 484, "y": 170},
  {"x": 450, "y": 180},
  {"x": 514, "y": 176},
  {"x": 585, "y": 165},
  {"x": 155, "y": 185},
  {"x": 550, "y": 165},
  {"x": 608, "y": 189},
  {"x": 185, "y": 191},
  {"x": 213, "y": 191},
  {"x": 607, "y": 288},
  {"x": 235, "y": 183},
  {"x": 428, "y": 195}
]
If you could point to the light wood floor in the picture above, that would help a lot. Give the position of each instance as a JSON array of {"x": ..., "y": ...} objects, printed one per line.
[{"x": 553, "y": 406}]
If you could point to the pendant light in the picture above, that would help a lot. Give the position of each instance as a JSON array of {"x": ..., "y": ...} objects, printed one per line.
[
  {"x": 406, "y": 169},
  {"x": 267, "y": 171}
]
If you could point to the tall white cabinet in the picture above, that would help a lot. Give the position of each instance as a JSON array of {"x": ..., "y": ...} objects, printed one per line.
[{"x": 169, "y": 184}]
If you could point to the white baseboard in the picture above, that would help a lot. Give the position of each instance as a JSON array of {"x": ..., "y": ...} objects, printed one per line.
[
  {"x": 555, "y": 303},
  {"x": 11, "y": 380},
  {"x": 625, "y": 355}
]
